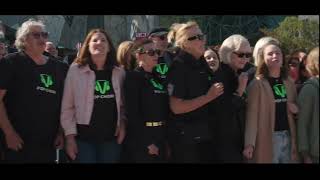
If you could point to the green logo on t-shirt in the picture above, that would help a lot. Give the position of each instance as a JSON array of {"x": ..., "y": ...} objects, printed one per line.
[
  {"x": 46, "y": 80},
  {"x": 280, "y": 90},
  {"x": 162, "y": 68},
  {"x": 156, "y": 84},
  {"x": 102, "y": 86}
]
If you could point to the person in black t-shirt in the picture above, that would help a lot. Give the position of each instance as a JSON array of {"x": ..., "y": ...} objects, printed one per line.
[
  {"x": 270, "y": 134},
  {"x": 190, "y": 90},
  {"x": 92, "y": 114},
  {"x": 147, "y": 108},
  {"x": 31, "y": 86},
  {"x": 228, "y": 111}
]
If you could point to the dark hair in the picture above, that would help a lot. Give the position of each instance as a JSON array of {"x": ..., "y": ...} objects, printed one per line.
[
  {"x": 138, "y": 45},
  {"x": 215, "y": 49},
  {"x": 84, "y": 57}
]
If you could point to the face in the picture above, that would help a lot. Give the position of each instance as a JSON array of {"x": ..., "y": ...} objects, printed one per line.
[
  {"x": 149, "y": 57},
  {"x": 161, "y": 41},
  {"x": 98, "y": 45},
  {"x": 272, "y": 56},
  {"x": 240, "y": 57},
  {"x": 50, "y": 48},
  {"x": 36, "y": 40},
  {"x": 195, "y": 41},
  {"x": 212, "y": 59}
]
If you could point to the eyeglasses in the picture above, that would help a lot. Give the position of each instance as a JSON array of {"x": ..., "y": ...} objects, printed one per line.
[
  {"x": 37, "y": 35},
  {"x": 198, "y": 36},
  {"x": 151, "y": 52},
  {"x": 242, "y": 55}
]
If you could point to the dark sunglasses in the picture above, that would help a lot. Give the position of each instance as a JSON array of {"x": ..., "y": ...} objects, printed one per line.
[
  {"x": 162, "y": 37},
  {"x": 151, "y": 52},
  {"x": 37, "y": 35},
  {"x": 242, "y": 55},
  {"x": 198, "y": 36}
]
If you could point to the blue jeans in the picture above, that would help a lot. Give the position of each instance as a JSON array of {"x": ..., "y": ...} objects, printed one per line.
[
  {"x": 105, "y": 152},
  {"x": 281, "y": 147}
]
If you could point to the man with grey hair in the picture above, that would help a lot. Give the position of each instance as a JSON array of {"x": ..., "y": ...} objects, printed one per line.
[{"x": 32, "y": 85}]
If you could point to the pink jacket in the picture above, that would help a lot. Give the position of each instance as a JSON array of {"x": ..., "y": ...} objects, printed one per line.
[{"x": 78, "y": 97}]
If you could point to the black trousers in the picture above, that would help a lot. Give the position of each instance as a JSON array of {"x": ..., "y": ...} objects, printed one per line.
[
  {"x": 31, "y": 153},
  {"x": 200, "y": 152}
]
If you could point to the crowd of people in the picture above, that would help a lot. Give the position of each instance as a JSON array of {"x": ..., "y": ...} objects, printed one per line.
[{"x": 165, "y": 98}]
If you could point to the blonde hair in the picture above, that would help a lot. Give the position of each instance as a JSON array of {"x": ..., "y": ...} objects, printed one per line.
[
  {"x": 313, "y": 62},
  {"x": 124, "y": 49},
  {"x": 181, "y": 33},
  {"x": 231, "y": 44},
  {"x": 260, "y": 43},
  {"x": 24, "y": 30}
]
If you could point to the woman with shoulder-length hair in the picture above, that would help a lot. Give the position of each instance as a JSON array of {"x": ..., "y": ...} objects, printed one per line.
[
  {"x": 190, "y": 89},
  {"x": 270, "y": 133},
  {"x": 308, "y": 101},
  {"x": 125, "y": 56},
  {"x": 92, "y": 114}
]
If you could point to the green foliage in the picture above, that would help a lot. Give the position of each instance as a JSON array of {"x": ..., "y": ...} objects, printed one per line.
[{"x": 295, "y": 34}]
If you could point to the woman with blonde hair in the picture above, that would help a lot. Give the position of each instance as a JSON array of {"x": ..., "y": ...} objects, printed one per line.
[
  {"x": 190, "y": 89},
  {"x": 125, "y": 56},
  {"x": 308, "y": 101},
  {"x": 270, "y": 131}
]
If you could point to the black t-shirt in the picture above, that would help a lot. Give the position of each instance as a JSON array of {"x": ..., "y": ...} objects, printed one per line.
[
  {"x": 147, "y": 101},
  {"x": 190, "y": 78},
  {"x": 33, "y": 97},
  {"x": 104, "y": 115},
  {"x": 280, "y": 96}
]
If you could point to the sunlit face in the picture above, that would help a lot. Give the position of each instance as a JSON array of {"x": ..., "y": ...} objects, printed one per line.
[
  {"x": 212, "y": 59},
  {"x": 195, "y": 41},
  {"x": 98, "y": 45},
  {"x": 240, "y": 57},
  {"x": 149, "y": 57},
  {"x": 36, "y": 40},
  {"x": 273, "y": 56}
]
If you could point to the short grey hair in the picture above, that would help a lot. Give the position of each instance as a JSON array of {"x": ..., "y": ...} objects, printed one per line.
[
  {"x": 260, "y": 43},
  {"x": 24, "y": 30},
  {"x": 231, "y": 44}
]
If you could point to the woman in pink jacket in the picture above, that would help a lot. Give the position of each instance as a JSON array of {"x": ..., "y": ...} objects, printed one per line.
[{"x": 92, "y": 114}]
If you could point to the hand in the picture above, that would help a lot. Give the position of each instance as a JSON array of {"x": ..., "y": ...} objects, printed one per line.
[
  {"x": 248, "y": 152},
  {"x": 71, "y": 147},
  {"x": 59, "y": 141},
  {"x": 153, "y": 150},
  {"x": 120, "y": 133},
  {"x": 242, "y": 81},
  {"x": 14, "y": 141},
  {"x": 215, "y": 91},
  {"x": 293, "y": 108}
]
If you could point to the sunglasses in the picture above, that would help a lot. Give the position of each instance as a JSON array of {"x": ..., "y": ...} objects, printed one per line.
[
  {"x": 37, "y": 35},
  {"x": 198, "y": 36},
  {"x": 151, "y": 52},
  {"x": 242, "y": 55}
]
